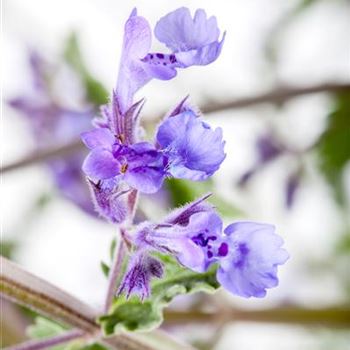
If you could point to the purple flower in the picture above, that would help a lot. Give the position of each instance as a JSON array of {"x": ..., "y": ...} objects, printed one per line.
[
  {"x": 192, "y": 42},
  {"x": 173, "y": 240},
  {"x": 254, "y": 253},
  {"x": 268, "y": 148},
  {"x": 52, "y": 123},
  {"x": 140, "y": 165},
  {"x": 193, "y": 150},
  {"x": 171, "y": 236},
  {"x": 247, "y": 253},
  {"x": 142, "y": 269},
  {"x": 291, "y": 188}
]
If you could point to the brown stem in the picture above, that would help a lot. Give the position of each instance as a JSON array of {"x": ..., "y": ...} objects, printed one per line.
[
  {"x": 276, "y": 95},
  {"x": 331, "y": 317},
  {"x": 41, "y": 155}
]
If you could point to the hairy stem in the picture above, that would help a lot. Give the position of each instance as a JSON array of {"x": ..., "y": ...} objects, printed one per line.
[
  {"x": 37, "y": 294},
  {"x": 276, "y": 95},
  {"x": 28, "y": 290},
  {"x": 46, "y": 343},
  {"x": 114, "y": 273}
]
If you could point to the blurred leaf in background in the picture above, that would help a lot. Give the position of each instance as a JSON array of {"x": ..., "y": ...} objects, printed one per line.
[
  {"x": 44, "y": 328},
  {"x": 334, "y": 145},
  {"x": 95, "y": 91}
]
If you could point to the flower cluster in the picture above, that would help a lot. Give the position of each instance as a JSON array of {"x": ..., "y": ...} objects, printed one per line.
[
  {"x": 120, "y": 164},
  {"x": 185, "y": 146}
]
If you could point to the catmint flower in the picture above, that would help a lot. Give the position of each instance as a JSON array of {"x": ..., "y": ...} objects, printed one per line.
[
  {"x": 141, "y": 270},
  {"x": 247, "y": 253},
  {"x": 193, "y": 150},
  {"x": 140, "y": 165},
  {"x": 171, "y": 235},
  {"x": 250, "y": 265},
  {"x": 192, "y": 42}
]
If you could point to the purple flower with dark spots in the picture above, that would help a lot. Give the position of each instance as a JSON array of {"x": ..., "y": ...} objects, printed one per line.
[
  {"x": 140, "y": 165},
  {"x": 141, "y": 270},
  {"x": 170, "y": 239},
  {"x": 254, "y": 253},
  {"x": 192, "y": 42},
  {"x": 192, "y": 148},
  {"x": 172, "y": 236},
  {"x": 205, "y": 230},
  {"x": 247, "y": 253}
]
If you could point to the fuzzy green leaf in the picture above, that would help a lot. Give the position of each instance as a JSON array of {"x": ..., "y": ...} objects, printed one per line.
[{"x": 133, "y": 314}]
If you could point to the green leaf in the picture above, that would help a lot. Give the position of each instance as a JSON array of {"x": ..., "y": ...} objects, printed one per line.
[
  {"x": 334, "y": 145},
  {"x": 44, "y": 328},
  {"x": 112, "y": 249},
  {"x": 133, "y": 314},
  {"x": 184, "y": 191},
  {"x": 7, "y": 248},
  {"x": 105, "y": 268},
  {"x": 95, "y": 91}
]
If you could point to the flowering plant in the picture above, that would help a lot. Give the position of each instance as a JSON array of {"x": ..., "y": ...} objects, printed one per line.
[
  {"x": 189, "y": 249},
  {"x": 243, "y": 257}
]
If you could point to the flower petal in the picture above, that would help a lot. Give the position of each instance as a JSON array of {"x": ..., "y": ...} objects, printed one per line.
[
  {"x": 100, "y": 164},
  {"x": 173, "y": 128},
  {"x": 193, "y": 149},
  {"x": 98, "y": 138},
  {"x": 179, "y": 32},
  {"x": 251, "y": 265},
  {"x": 200, "y": 56},
  {"x": 132, "y": 75},
  {"x": 145, "y": 178}
]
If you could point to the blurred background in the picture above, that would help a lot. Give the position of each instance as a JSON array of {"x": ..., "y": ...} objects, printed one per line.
[{"x": 287, "y": 158}]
